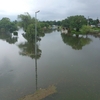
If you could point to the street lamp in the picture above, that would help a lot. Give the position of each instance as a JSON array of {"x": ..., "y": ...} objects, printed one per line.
[
  {"x": 36, "y": 46},
  {"x": 36, "y": 31}
]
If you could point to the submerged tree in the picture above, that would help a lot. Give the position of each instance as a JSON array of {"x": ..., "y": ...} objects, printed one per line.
[{"x": 26, "y": 22}]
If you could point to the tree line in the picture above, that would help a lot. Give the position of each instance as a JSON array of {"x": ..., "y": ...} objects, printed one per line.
[{"x": 25, "y": 21}]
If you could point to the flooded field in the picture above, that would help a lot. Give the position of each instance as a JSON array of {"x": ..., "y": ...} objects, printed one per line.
[{"x": 70, "y": 64}]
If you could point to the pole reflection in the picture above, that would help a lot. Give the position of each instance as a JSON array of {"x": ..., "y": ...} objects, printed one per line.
[
  {"x": 36, "y": 66},
  {"x": 36, "y": 72}
]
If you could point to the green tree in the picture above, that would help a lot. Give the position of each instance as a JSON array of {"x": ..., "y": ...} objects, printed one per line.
[
  {"x": 7, "y": 26},
  {"x": 28, "y": 24},
  {"x": 24, "y": 20},
  {"x": 74, "y": 22},
  {"x": 96, "y": 22},
  {"x": 58, "y": 23},
  {"x": 65, "y": 23},
  {"x": 90, "y": 21},
  {"x": 30, "y": 30}
]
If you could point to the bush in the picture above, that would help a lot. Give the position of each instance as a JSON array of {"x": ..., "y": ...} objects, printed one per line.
[{"x": 86, "y": 29}]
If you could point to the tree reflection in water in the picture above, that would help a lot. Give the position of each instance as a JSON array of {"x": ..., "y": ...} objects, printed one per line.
[
  {"x": 8, "y": 38},
  {"x": 74, "y": 42},
  {"x": 28, "y": 48}
]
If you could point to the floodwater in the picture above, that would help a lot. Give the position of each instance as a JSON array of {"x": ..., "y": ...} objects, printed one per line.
[{"x": 71, "y": 64}]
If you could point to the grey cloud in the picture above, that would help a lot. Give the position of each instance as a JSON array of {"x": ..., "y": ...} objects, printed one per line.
[{"x": 61, "y": 9}]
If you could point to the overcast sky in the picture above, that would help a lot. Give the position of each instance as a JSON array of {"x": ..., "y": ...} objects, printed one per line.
[{"x": 50, "y": 9}]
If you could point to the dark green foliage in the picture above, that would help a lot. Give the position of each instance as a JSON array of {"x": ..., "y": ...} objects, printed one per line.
[
  {"x": 92, "y": 22},
  {"x": 76, "y": 22},
  {"x": 24, "y": 20},
  {"x": 86, "y": 29},
  {"x": 44, "y": 24},
  {"x": 28, "y": 24},
  {"x": 65, "y": 23},
  {"x": 7, "y": 26},
  {"x": 80, "y": 25}
]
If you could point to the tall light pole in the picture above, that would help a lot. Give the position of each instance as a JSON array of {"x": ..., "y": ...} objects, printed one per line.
[
  {"x": 36, "y": 31},
  {"x": 36, "y": 46}
]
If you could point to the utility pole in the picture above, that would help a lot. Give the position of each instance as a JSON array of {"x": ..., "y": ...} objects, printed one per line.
[{"x": 36, "y": 47}]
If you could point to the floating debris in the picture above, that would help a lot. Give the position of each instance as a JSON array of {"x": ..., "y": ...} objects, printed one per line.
[{"x": 41, "y": 93}]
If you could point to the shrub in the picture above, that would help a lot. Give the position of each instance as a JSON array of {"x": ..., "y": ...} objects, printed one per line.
[{"x": 86, "y": 29}]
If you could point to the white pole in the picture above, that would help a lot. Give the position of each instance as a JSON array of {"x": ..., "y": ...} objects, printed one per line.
[
  {"x": 36, "y": 32},
  {"x": 36, "y": 46}
]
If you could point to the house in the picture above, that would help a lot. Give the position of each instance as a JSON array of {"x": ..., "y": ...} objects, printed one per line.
[{"x": 92, "y": 25}]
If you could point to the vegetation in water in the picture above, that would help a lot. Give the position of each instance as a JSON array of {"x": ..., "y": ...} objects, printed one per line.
[{"x": 77, "y": 24}]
